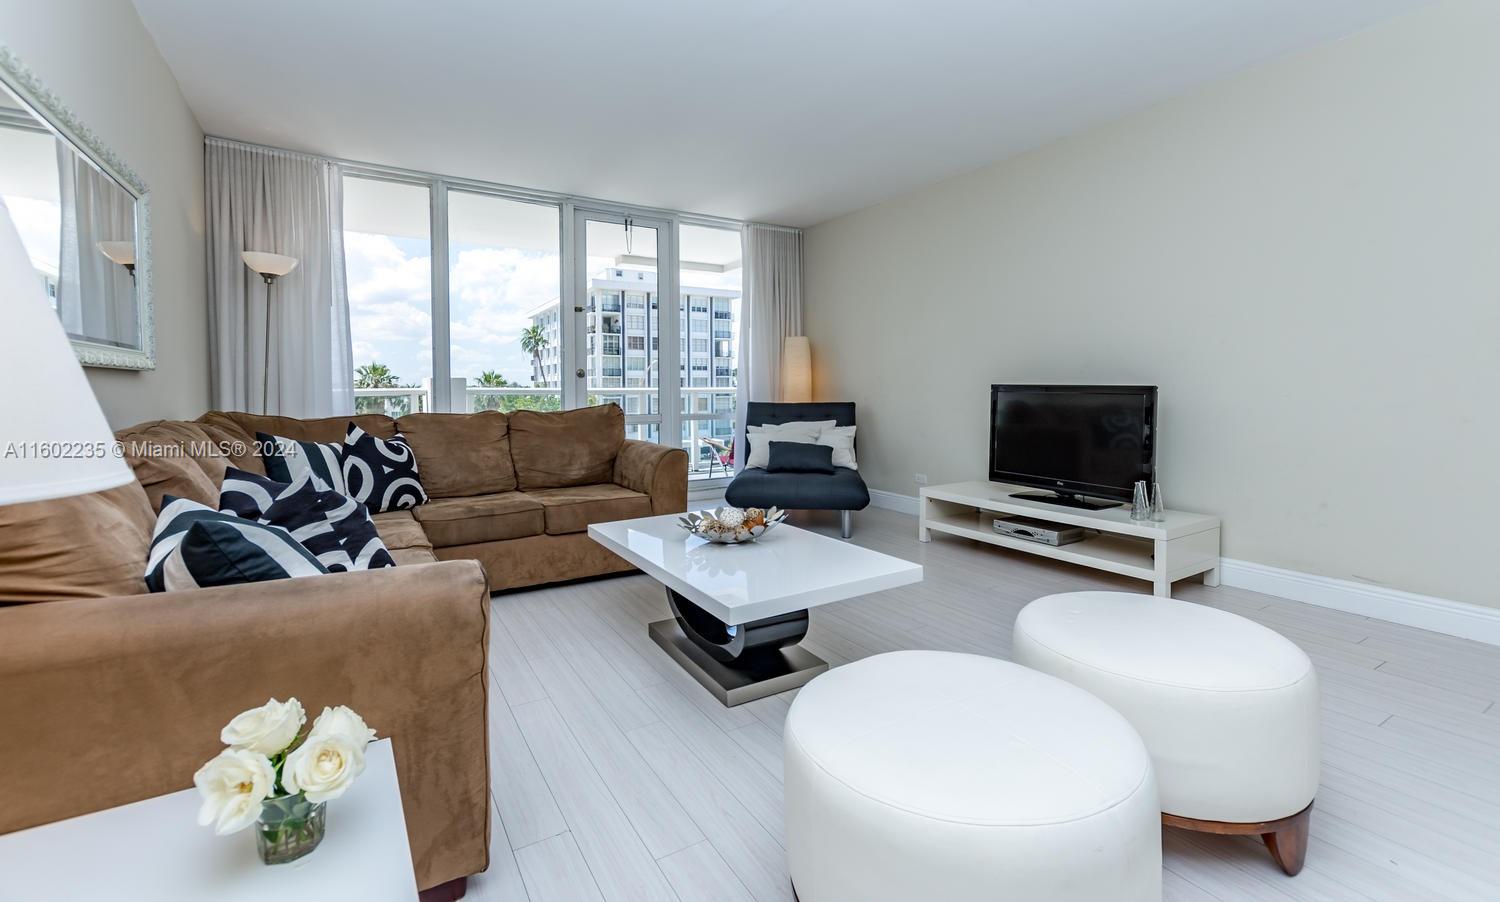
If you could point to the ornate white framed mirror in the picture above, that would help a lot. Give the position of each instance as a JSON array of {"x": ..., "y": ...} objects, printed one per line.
[{"x": 84, "y": 217}]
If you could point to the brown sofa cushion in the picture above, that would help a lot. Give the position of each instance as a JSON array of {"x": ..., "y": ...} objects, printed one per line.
[
  {"x": 175, "y": 457},
  {"x": 461, "y": 454},
  {"x": 85, "y": 546},
  {"x": 573, "y": 509},
  {"x": 235, "y": 442},
  {"x": 538, "y": 560},
  {"x": 413, "y": 555},
  {"x": 327, "y": 429},
  {"x": 400, "y": 530},
  {"x": 574, "y": 447},
  {"x": 481, "y": 518}
]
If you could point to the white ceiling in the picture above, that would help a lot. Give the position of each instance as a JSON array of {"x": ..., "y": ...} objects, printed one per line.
[{"x": 789, "y": 111}]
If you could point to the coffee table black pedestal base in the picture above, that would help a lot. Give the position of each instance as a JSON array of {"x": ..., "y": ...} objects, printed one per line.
[{"x": 740, "y": 663}]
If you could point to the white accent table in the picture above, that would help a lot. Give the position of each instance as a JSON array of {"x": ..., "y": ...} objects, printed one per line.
[
  {"x": 741, "y": 609},
  {"x": 155, "y": 850},
  {"x": 1182, "y": 545}
]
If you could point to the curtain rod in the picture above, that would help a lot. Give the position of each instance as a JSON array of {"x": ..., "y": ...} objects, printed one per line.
[{"x": 531, "y": 193}]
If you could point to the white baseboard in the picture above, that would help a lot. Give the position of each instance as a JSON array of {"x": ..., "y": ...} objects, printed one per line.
[
  {"x": 1428, "y": 612},
  {"x": 891, "y": 501}
]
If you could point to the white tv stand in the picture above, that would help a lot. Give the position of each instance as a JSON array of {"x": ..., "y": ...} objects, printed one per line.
[{"x": 1182, "y": 545}]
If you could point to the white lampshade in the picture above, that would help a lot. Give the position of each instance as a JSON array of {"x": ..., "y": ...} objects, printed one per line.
[
  {"x": 796, "y": 369},
  {"x": 121, "y": 252},
  {"x": 269, "y": 264},
  {"x": 55, "y": 441}
]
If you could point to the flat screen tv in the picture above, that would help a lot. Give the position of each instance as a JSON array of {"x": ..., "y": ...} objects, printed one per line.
[{"x": 1076, "y": 441}]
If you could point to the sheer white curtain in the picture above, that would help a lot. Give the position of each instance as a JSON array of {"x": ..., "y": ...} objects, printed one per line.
[
  {"x": 772, "y": 310},
  {"x": 95, "y": 296},
  {"x": 261, "y": 199}
]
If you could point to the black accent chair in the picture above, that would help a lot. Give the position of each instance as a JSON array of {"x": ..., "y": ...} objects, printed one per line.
[{"x": 844, "y": 491}]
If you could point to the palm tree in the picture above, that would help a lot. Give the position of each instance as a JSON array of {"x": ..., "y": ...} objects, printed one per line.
[
  {"x": 491, "y": 379},
  {"x": 374, "y": 375},
  {"x": 533, "y": 342}
]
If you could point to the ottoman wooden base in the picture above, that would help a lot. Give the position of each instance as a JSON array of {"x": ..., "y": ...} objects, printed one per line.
[{"x": 1286, "y": 838}]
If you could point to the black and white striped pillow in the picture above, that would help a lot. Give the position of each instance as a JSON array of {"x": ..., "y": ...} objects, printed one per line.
[
  {"x": 288, "y": 460},
  {"x": 195, "y": 546},
  {"x": 334, "y": 527},
  {"x": 382, "y": 473}
]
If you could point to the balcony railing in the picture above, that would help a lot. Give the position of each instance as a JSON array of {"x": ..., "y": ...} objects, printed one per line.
[{"x": 715, "y": 423}]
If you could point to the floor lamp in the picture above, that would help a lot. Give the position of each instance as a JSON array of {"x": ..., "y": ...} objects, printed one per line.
[{"x": 270, "y": 267}]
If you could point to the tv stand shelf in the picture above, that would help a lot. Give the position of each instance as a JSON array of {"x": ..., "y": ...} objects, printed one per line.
[{"x": 1182, "y": 545}]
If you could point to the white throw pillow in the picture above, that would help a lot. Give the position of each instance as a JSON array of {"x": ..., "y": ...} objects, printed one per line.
[
  {"x": 761, "y": 437},
  {"x": 841, "y": 440}
]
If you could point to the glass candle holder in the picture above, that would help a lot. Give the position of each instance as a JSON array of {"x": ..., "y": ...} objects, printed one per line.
[{"x": 1140, "y": 506}]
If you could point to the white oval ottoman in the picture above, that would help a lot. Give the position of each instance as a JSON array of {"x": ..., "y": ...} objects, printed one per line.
[
  {"x": 1228, "y": 708},
  {"x": 924, "y": 775}
]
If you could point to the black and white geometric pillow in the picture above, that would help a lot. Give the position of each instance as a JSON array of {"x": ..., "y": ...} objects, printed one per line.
[
  {"x": 287, "y": 460},
  {"x": 195, "y": 546},
  {"x": 334, "y": 527},
  {"x": 381, "y": 473}
]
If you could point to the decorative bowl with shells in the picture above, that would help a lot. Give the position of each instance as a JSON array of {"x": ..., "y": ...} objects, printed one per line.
[{"x": 731, "y": 525}]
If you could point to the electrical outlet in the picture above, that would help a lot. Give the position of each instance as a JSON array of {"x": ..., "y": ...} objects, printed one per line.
[{"x": 920, "y": 478}]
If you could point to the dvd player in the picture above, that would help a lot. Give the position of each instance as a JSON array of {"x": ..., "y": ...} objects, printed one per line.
[{"x": 1039, "y": 530}]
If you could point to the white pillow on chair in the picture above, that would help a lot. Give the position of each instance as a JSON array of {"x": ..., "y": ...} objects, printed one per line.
[
  {"x": 841, "y": 440},
  {"x": 761, "y": 437}
]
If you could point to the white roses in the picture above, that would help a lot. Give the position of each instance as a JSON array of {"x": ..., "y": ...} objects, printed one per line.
[
  {"x": 343, "y": 720},
  {"x": 264, "y": 761},
  {"x": 267, "y": 729},
  {"x": 324, "y": 765},
  {"x": 233, "y": 785}
]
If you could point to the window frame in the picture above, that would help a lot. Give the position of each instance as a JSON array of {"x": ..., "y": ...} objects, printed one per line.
[{"x": 669, "y": 268}]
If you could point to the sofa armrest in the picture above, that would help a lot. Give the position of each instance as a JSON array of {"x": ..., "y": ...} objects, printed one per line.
[
  {"x": 657, "y": 470},
  {"x": 105, "y": 701}
]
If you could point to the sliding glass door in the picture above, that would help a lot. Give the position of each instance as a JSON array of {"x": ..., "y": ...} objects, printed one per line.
[
  {"x": 466, "y": 298},
  {"x": 710, "y": 283},
  {"x": 621, "y": 304}
]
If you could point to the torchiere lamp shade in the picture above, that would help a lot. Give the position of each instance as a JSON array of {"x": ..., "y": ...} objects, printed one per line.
[
  {"x": 269, "y": 264},
  {"x": 55, "y": 441},
  {"x": 121, "y": 252}
]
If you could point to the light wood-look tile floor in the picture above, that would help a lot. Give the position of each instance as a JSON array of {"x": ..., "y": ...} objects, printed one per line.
[{"x": 617, "y": 777}]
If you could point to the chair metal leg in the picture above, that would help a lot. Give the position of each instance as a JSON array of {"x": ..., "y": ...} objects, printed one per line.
[{"x": 846, "y": 521}]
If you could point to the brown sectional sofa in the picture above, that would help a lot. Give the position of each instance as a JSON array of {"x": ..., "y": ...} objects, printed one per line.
[
  {"x": 105, "y": 670},
  {"x": 515, "y": 492}
]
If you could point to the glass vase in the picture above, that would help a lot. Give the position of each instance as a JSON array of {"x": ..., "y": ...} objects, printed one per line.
[
  {"x": 289, "y": 828},
  {"x": 1140, "y": 506}
]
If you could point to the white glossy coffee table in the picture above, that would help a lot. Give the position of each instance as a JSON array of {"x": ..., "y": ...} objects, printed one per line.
[
  {"x": 154, "y": 849},
  {"x": 741, "y": 609}
]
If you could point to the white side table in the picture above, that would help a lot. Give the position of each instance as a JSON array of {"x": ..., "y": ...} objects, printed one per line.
[{"x": 155, "y": 850}]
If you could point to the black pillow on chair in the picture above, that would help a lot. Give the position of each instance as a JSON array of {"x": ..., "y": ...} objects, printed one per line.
[{"x": 800, "y": 457}]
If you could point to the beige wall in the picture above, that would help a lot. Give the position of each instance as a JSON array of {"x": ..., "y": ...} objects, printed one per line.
[
  {"x": 98, "y": 58},
  {"x": 1305, "y": 258}
]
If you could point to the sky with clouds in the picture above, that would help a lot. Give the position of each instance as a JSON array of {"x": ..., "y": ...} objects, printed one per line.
[{"x": 491, "y": 291}]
